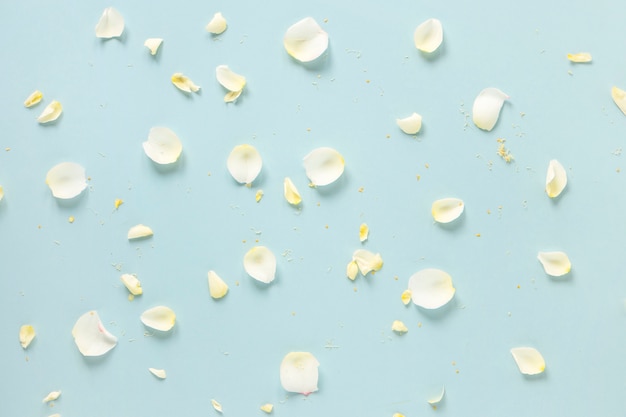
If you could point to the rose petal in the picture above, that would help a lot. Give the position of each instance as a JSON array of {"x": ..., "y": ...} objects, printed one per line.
[
  {"x": 431, "y": 288},
  {"x": 556, "y": 179},
  {"x": 352, "y": 270},
  {"x": 231, "y": 81},
  {"x": 428, "y": 36},
  {"x": 323, "y": 166},
  {"x": 110, "y": 25},
  {"x": 299, "y": 373},
  {"x": 132, "y": 284},
  {"x": 437, "y": 398},
  {"x": 579, "y": 57},
  {"x": 267, "y": 408},
  {"x": 367, "y": 261},
  {"x": 153, "y": 45},
  {"x": 138, "y": 232},
  {"x": 66, "y": 180},
  {"x": 291, "y": 192},
  {"x": 217, "y": 406},
  {"x": 528, "y": 360},
  {"x": 306, "y": 40},
  {"x": 159, "y": 318},
  {"x": 411, "y": 124},
  {"x": 399, "y": 327},
  {"x": 217, "y": 24},
  {"x": 51, "y": 112},
  {"x": 364, "y": 232},
  {"x": 90, "y": 336},
  {"x": 555, "y": 264},
  {"x": 486, "y": 109},
  {"x": 33, "y": 99},
  {"x": 447, "y": 209},
  {"x": 52, "y": 396},
  {"x": 183, "y": 83},
  {"x": 27, "y": 334},
  {"x": 619, "y": 97},
  {"x": 163, "y": 146},
  {"x": 159, "y": 373},
  {"x": 244, "y": 164},
  {"x": 260, "y": 263},
  {"x": 406, "y": 297},
  {"x": 217, "y": 286}
]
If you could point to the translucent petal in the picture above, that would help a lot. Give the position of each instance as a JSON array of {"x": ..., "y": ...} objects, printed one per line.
[
  {"x": 555, "y": 264},
  {"x": 367, "y": 261},
  {"x": 51, "y": 112},
  {"x": 66, "y": 180},
  {"x": 159, "y": 373},
  {"x": 159, "y": 318},
  {"x": 410, "y": 125},
  {"x": 431, "y": 288},
  {"x": 27, "y": 334},
  {"x": 184, "y": 83},
  {"x": 244, "y": 163},
  {"x": 138, "y": 232},
  {"x": 132, "y": 284},
  {"x": 323, "y": 166},
  {"x": 437, "y": 398},
  {"x": 447, "y": 209},
  {"x": 267, "y": 408},
  {"x": 232, "y": 96},
  {"x": 528, "y": 360},
  {"x": 556, "y": 179},
  {"x": 579, "y": 57},
  {"x": 428, "y": 36},
  {"x": 217, "y": 25},
  {"x": 619, "y": 97},
  {"x": 163, "y": 146},
  {"x": 111, "y": 24},
  {"x": 229, "y": 79},
  {"x": 486, "y": 109},
  {"x": 406, "y": 296},
  {"x": 399, "y": 327},
  {"x": 217, "y": 286},
  {"x": 90, "y": 336},
  {"x": 352, "y": 270},
  {"x": 52, "y": 396},
  {"x": 291, "y": 192},
  {"x": 217, "y": 406},
  {"x": 298, "y": 372},
  {"x": 153, "y": 45},
  {"x": 260, "y": 263},
  {"x": 306, "y": 40},
  {"x": 364, "y": 232},
  {"x": 33, "y": 99}
]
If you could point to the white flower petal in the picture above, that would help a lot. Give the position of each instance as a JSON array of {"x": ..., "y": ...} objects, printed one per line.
[
  {"x": 437, "y": 398},
  {"x": 159, "y": 318},
  {"x": 153, "y": 45},
  {"x": 299, "y": 373},
  {"x": 556, "y": 179},
  {"x": 27, "y": 334},
  {"x": 33, "y": 99},
  {"x": 431, "y": 288},
  {"x": 231, "y": 81},
  {"x": 352, "y": 270},
  {"x": 217, "y": 406},
  {"x": 232, "y": 96},
  {"x": 291, "y": 192},
  {"x": 447, "y": 209},
  {"x": 306, "y": 40},
  {"x": 132, "y": 284},
  {"x": 139, "y": 231},
  {"x": 217, "y": 286},
  {"x": 406, "y": 297},
  {"x": 217, "y": 25},
  {"x": 399, "y": 327},
  {"x": 486, "y": 109},
  {"x": 66, "y": 180},
  {"x": 163, "y": 146},
  {"x": 528, "y": 360},
  {"x": 428, "y": 36},
  {"x": 51, "y": 112},
  {"x": 244, "y": 163},
  {"x": 579, "y": 57},
  {"x": 364, "y": 232},
  {"x": 90, "y": 336},
  {"x": 52, "y": 396},
  {"x": 555, "y": 264},
  {"x": 411, "y": 124},
  {"x": 323, "y": 166},
  {"x": 260, "y": 263},
  {"x": 111, "y": 24},
  {"x": 619, "y": 97},
  {"x": 267, "y": 408},
  {"x": 159, "y": 373},
  {"x": 183, "y": 83},
  {"x": 367, "y": 261}
]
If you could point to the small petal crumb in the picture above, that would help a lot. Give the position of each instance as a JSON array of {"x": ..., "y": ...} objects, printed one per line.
[
  {"x": 153, "y": 45},
  {"x": 528, "y": 360},
  {"x": 258, "y": 196},
  {"x": 352, "y": 270},
  {"x": 579, "y": 57},
  {"x": 487, "y": 106},
  {"x": 51, "y": 112},
  {"x": 33, "y": 99},
  {"x": 406, "y": 297},
  {"x": 267, "y": 408},
  {"x": 260, "y": 263},
  {"x": 118, "y": 203},
  {"x": 291, "y": 192},
  {"x": 217, "y": 406},
  {"x": 299, "y": 373},
  {"x": 52, "y": 396},
  {"x": 555, "y": 264},
  {"x": 110, "y": 25},
  {"x": 217, "y": 25},
  {"x": 159, "y": 373},
  {"x": 217, "y": 287},
  {"x": 447, "y": 209},
  {"x": 139, "y": 232},
  {"x": 305, "y": 40},
  {"x": 132, "y": 284},
  {"x": 556, "y": 179},
  {"x": 411, "y": 124},
  {"x": 428, "y": 36},
  {"x": 160, "y": 318},
  {"x": 27, "y": 334},
  {"x": 364, "y": 232},
  {"x": 399, "y": 327},
  {"x": 183, "y": 83},
  {"x": 619, "y": 97}
]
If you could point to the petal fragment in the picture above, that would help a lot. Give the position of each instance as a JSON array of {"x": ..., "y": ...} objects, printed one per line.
[
  {"x": 352, "y": 270},
  {"x": 139, "y": 232},
  {"x": 217, "y": 406},
  {"x": 231, "y": 81},
  {"x": 51, "y": 112},
  {"x": 323, "y": 166},
  {"x": 487, "y": 106},
  {"x": 299, "y": 373},
  {"x": 132, "y": 284},
  {"x": 153, "y": 45},
  {"x": 619, "y": 97},
  {"x": 33, "y": 99},
  {"x": 406, "y": 297},
  {"x": 66, "y": 180},
  {"x": 364, "y": 232},
  {"x": 27, "y": 334},
  {"x": 447, "y": 209},
  {"x": 217, "y": 24},
  {"x": 163, "y": 146},
  {"x": 556, "y": 179},
  {"x": 159, "y": 373},
  {"x": 431, "y": 288},
  {"x": 291, "y": 192},
  {"x": 160, "y": 318},
  {"x": 579, "y": 57},
  {"x": 110, "y": 25},
  {"x": 267, "y": 408},
  {"x": 399, "y": 327},
  {"x": 428, "y": 35},
  {"x": 528, "y": 360},
  {"x": 305, "y": 40},
  {"x": 183, "y": 83},
  {"x": 411, "y": 124},
  {"x": 260, "y": 263},
  {"x": 367, "y": 261},
  {"x": 244, "y": 163},
  {"x": 437, "y": 398},
  {"x": 52, "y": 396},
  {"x": 555, "y": 264},
  {"x": 258, "y": 196},
  {"x": 217, "y": 286},
  {"x": 90, "y": 336}
]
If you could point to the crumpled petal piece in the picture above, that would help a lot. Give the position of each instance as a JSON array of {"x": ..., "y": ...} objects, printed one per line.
[
  {"x": 51, "y": 112},
  {"x": 183, "y": 83},
  {"x": 323, "y": 166},
  {"x": 299, "y": 373},
  {"x": 447, "y": 209},
  {"x": 163, "y": 146},
  {"x": 260, "y": 263},
  {"x": 556, "y": 179},
  {"x": 231, "y": 81},
  {"x": 352, "y": 270},
  {"x": 258, "y": 196},
  {"x": 305, "y": 40},
  {"x": 90, "y": 336},
  {"x": 431, "y": 288},
  {"x": 291, "y": 192},
  {"x": 364, "y": 232},
  {"x": 619, "y": 97},
  {"x": 399, "y": 327},
  {"x": 66, "y": 180},
  {"x": 528, "y": 360},
  {"x": 153, "y": 45},
  {"x": 428, "y": 36},
  {"x": 139, "y": 231},
  {"x": 555, "y": 264},
  {"x": 217, "y": 287},
  {"x": 217, "y": 25},
  {"x": 406, "y": 297},
  {"x": 367, "y": 261},
  {"x": 33, "y": 99},
  {"x": 27, "y": 334},
  {"x": 580, "y": 57},
  {"x": 411, "y": 124},
  {"x": 110, "y": 25},
  {"x": 159, "y": 373},
  {"x": 132, "y": 284},
  {"x": 437, "y": 398},
  {"x": 217, "y": 406},
  {"x": 52, "y": 396},
  {"x": 267, "y": 408},
  {"x": 160, "y": 318},
  {"x": 487, "y": 106},
  {"x": 244, "y": 164}
]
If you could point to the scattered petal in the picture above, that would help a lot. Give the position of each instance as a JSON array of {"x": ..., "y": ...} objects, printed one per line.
[
  {"x": 217, "y": 406},
  {"x": 260, "y": 263},
  {"x": 580, "y": 57},
  {"x": 431, "y": 288},
  {"x": 323, "y": 166},
  {"x": 306, "y": 40},
  {"x": 90, "y": 336},
  {"x": 619, "y": 97},
  {"x": 399, "y": 327},
  {"x": 51, "y": 112},
  {"x": 258, "y": 196},
  {"x": 217, "y": 286},
  {"x": 291, "y": 192},
  {"x": 556, "y": 179},
  {"x": 406, "y": 297},
  {"x": 159, "y": 373},
  {"x": 267, "y": 408},
  {"x": 352, "y": 270},
  {"x": 428, "y": 36},
  {"x": 52, "y": 396},
  {"x": 132, "y": 284},
  {"x": 298, "y": 372},
  {"x": 528, "y": 360},
  {"x": 437, "y": 398},
  {"x": 1, "y": 193},
  {"x": 555, "y": 264},
  {"x": 410, "y": 125},
  {"x": 153, "y": 45},
  {"x": 111, "y": 24},
  {"x": 217, "y": 25},
  {"x": 184, "y": 83},
  {"x": 244, "y": 164},
  {"x": 231, "y": 81},
  {"x": 27, "y": 334},
  {"x": 138, "y": 232},
  {"x": 163, "y": 146},
  {"x": 66, "y": 180},
  {"x": 33, "y": 99},
  {"x": 447, "y": 209},
  {"x": 487, "y": 106},
  {"x": 118, "y": 203},
  {"x": 159, "y": 318},
  {"x": 367, "y": 261},
  {"x": 364, "y": 232}
]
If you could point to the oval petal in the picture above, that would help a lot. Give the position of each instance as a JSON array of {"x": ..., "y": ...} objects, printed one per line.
[
  {"x": 555, "y": 264},
  {"x": 291, "y": 192},
  {"x": 431, "y": 288},
  {"x": 163, "y": 146},
  {"x": 260, "y": 263},
  {"x": 66, "y": 180},
  {"x": 306, "y": 40},
  {"x": 90, "y": 336},
  {"x": 110, "y": 25},
  {"x": 486, "y": 109},
  {"x": 411, "y": 124},
  {"x": 556, "y": 179},
  {"x": 528, "y": 360},
  {"x": 153, "y": 45},
  {"x": 299, "y": 372},
  {"x": 619, "y": 98},
  {"x": 27, "y": 334},
  {"x": 323, "y": 166},
  {"x": 51, "y": 112},
  {"x": 159, "y": 318},
  {"x": 428, "y": 35},
  {"x": 217, "y": 25},
  {"x": 352, "y": 270},
  {"x": 244, "y": 163},
  {"x": 447, "y": 209},
  {"x": 217, "y": 286}
]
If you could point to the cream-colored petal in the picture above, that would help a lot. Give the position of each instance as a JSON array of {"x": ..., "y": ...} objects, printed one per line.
[
  {"x": 305, "y": 40},
  {"x": 229, "y": 79},
  {"x": 160, "y": 318},
  {"x": 51, "y": 112},
  {"x": 431, "y": 288},
  {"x": 110, "y": 25},
  {"x": 90, "y": 336},
  {"x": 163, "y": 146},
  {"x": 244, "y": 163},
  {"x": 183, "y": 83},
  {"x": 323, "y": 166},
  {"x": 619, "y": 97},
  {"x": 397, "y": 415},
  {"x": 447, "y": 209},
  {"x": 260, "y": 263},
  {"x": 132, "y": 284},
  {"x": 555, "y": 264},
  {"x": 406, "y": 297},
  {"x": 267, "y": 408},
  {"x": 580, "y": 57},
  {"x": 66, "y": 180},
  {"x": 556, "y": 179},
  {"x": 487, "y": 106},
  {"x": 299, "y": 373},
  {"x": 367, "y": 261},
  {"x": 159, "y": 373},
  {"x": 433, "y": 401},
  {"x": 258, "y": 196},
  {"x": 217, "y": 406},
  {"x": 411, "y": 124},
  {"x": 232, "y": 96},
  {"x": 352, "y": 270},
  {"x": 217, "y": 286},
  {"x": 428, "y": 35},
  {"x": 27, "y": 334},
  {"x": 1, "y": 193},
  {"x": 139, "y": 231},
  {"x": 52, "y": 396},
  {"x": 364, "y": 232},
  {"x": 217, "y": 25},
  {"x": 528, "y": 360},
  {"x": 399, "y": 327},
  {"x": 291, "y": 192},
  {"x": 33, "y": 99},
  {"x": 153, "y": 45}
]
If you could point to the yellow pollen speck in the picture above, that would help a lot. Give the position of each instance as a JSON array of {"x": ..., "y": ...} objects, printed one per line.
[
  {"x": 38, "y": 226},
  {"x": 488, "y": 211},
  {"x": 293, "y": 313},
  {"x": 355, "y": 290},
  {"x": 419, "y": 324},
  {"x": 7, "y": 149},
  {"x": 457, "y": 371},
  {"x": 318, "y": 204},
  {"x": 361, "y": 189},
  {"x": 208, "y": 174},
  {"x": 418, "y": 176},
  {"x": 131, "y": 297},
  {"x": 308, "y": 129},
  {"x": 237, "y": 283},
  {"x": 618, "y": 170},
  {"x": 477, "y": 234},
  {"x": 518, "y": 286},
  {"x": 118, "y": 203},
  {"x": 71, "y": 219},
  {"x": 326, "y": 226},
  {"x": 388, "y": 136},
  {"x": 426, "y": 165},
  {"x": 367, "y": 81},
  {"x": 453, "y": 363},
  {"x": 259, "y": 195},
  {"x": 243, "y": 241},
  {"x": 256, "y": 240},
  {"x": 326, "y": 20}
]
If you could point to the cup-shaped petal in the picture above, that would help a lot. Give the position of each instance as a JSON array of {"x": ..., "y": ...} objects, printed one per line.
[
  {"x": 244, "y": 163},
  {"x": 556, "y": 179},
  {"x": 217, "y": 287},
  {"x": 153, "y": 45},
  {"x": 110, "y": 25},
  {"x": 487, "y": 106},
  {"x": 555, "y": 264},
  {"x": 163, "y": 146},
  {"x": 34, "y": 98},
  {"x": 217, "y": 24},
  {"x": 299, "y": 372},
  {"x": 528, "y": 360},
  {"x": 90, "y": 336},
  {"x": 447, "y": 209},
  {"x": 66, "y": 180},
  {"x": 260, "y": 263},
  {"x": 160, "y": 318},
  {"x": 139, "y": 231},
  {"x": 51, "y": 112},
  {"x": 132, "y": 284},
  {"x": 323, "y": 166},
  {"x": 428, "y": 35},
  {"x": 367, "y": 261},
  {"x": 411, "y": 124},
  {"x": 431, "y": 288},
  {"x": 305, "y": 40}
]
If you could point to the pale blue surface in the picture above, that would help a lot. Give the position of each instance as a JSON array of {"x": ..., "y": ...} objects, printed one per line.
[{"x": 113, "y": 92}]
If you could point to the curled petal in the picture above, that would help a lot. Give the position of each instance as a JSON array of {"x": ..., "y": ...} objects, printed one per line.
[
  {"x": 52, "y": 396},
  {"x": 51, "y": 112},
  {"x": 90, "y": 336},
  {"x": 579, "y": 57},
  {"x": 291, "y": 192},
  {"x": 231, "y": 81},
  {"x": 138, "y": 232},
  {"x": 66, "y": 180},
  {"x": 217, "y": 25},
  {"x": 619, "y": 97},
  {"x": 528, "y": 360},
  {"x": 217, "y": 286},
  {"x": 163, "y": 146},
  {"x": 27, "y": 334},
  {"x": 132, "y": 284},
  {"x": 244, "y": 163},
  {"x": 159, "y": 318},
  {"x": 367, "y": 261},
  {"x": 556, "y": 179},
  {"x": 399, "y": 327},
  {"x": 428, "y": 36},
  {"x": 306, "y": 40},
  {"x": 431, "y": 288},
  {"x": 323, "y": 166},
  {"x": 260, "y": 263},
  {"x": 153, "y": 45},
  {"x": 411, "y": 124},
  {"x": 183, "y": 83},
  {"x": 217, "y": 406},
  {"x": 437, "y": 398},
  {"x": 159, "y": 373},
  {"x": 555, "y": 264},
  {"x": 447, "y": 209},
  {"x": 486, "y": 109},
  {"x": 33, "y": 99},
  {"x": 299, "y": 373},
  {"x": 110, "y": 25}
]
